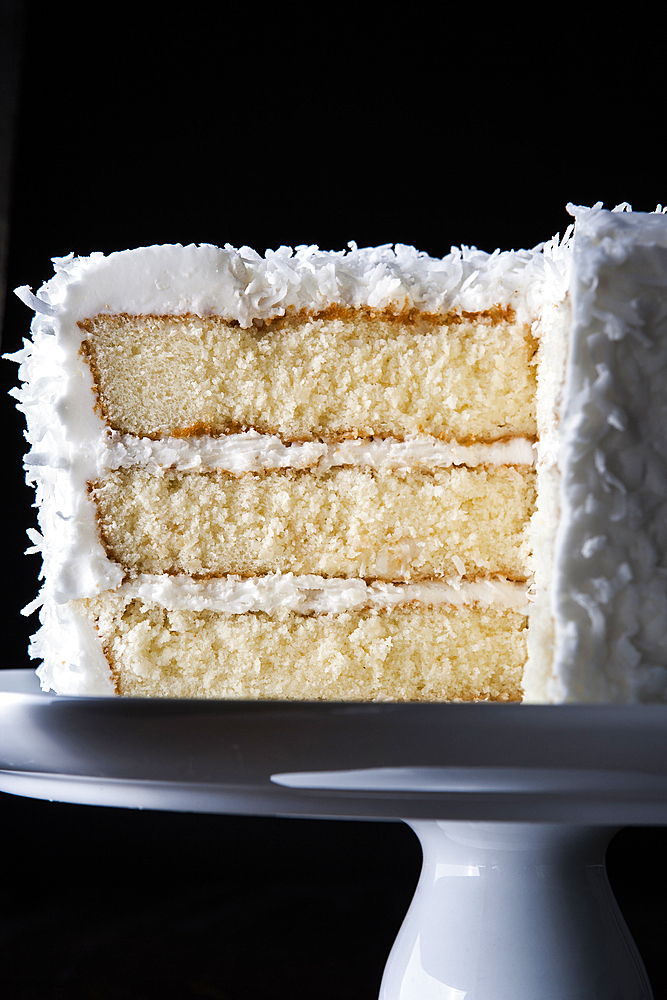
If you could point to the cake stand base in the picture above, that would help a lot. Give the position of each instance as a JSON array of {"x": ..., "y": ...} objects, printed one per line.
[{"x": 513, "y": 911}]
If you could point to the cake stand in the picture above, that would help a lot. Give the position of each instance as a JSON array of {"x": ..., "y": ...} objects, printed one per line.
[{"x": 513, "y": 804}]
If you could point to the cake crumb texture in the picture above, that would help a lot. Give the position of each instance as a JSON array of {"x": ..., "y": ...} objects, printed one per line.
[
  {"x": 345, "y": 522},
  {"x": 305, "y": 377},
  {"x": 411, "y": 653}
]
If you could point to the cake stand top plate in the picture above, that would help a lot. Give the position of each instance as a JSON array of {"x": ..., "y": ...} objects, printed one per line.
[{"x": 602, "y": 764}]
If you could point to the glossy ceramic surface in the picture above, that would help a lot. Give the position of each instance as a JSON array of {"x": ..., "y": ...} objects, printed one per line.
[{"x": 512, "y": 911}]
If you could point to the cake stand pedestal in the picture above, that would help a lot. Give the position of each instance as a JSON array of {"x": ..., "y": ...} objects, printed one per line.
[
  {"x": 513, "y": 910},
  {"x": 513, "y": 805}
]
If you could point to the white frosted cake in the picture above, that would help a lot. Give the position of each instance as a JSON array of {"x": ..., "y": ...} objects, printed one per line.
[{"x": 369, "y": 475}]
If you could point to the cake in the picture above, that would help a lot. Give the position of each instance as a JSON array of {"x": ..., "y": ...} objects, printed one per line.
[{"x": 360, "y": 475}]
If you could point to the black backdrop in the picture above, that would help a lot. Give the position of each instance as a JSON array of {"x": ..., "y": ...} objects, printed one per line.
[{"x": 295, "y": 125}]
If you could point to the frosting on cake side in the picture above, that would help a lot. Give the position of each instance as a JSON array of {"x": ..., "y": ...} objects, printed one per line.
[{"x": 610, "y": 561}]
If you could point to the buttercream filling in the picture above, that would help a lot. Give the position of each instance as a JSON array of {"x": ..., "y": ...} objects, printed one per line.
[
  {"x": 311, "y": 594},
  {"x": 254, "y": 452}
]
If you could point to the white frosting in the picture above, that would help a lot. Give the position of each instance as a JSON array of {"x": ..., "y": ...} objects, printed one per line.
[
  {"x": 611, "y": 547},
  {"x": 316, "y": 595},
  {"x": 69, "y": 447},
  {"x": 254, "y": 452},
  {"x": 68, "y": 645},
  {"x": 243, "y": 286},
  {"x": 553, "y": 334}
]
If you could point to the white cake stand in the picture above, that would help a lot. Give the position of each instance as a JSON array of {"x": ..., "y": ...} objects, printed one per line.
[{"x": 513, "y": 804}]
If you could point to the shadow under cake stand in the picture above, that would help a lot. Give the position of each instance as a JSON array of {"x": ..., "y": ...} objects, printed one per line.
[{"x": 513, "y": 804}]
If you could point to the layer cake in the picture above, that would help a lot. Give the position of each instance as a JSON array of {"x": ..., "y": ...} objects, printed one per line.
[{"x": 368, "y": 474}]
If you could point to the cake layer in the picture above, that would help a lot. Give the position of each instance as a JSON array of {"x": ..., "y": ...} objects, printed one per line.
[
  {"x": 409, "y": 653},
  {"x": 345, "y": 522},
  {"x": 343, "y": 373}
]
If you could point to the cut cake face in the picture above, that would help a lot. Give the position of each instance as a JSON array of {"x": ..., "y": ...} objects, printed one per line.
[{"x": 352, "y": 476}]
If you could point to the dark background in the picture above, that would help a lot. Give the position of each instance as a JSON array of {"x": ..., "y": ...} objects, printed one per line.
[{"x": 130, "y": 125}]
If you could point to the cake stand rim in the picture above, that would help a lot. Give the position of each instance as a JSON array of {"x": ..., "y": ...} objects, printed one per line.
[{"x": 478, "y": 762}]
